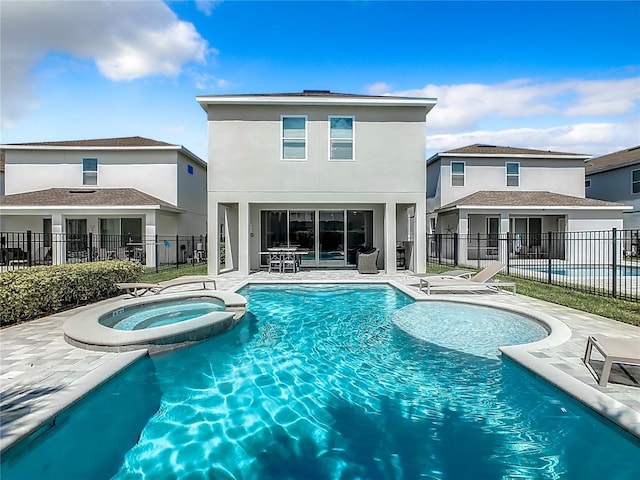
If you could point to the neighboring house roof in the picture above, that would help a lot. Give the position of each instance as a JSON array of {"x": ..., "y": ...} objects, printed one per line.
[
  {"x": 614, "y": 160},
  {"x": 102, "y": 142},
  {"x": 512, "y": 200},
  {"x": 84, "y": 197},
  {"x": 314, "y": 97},
  {"x": 118, "y": 143},
  {"x": 479, "y": 150}
]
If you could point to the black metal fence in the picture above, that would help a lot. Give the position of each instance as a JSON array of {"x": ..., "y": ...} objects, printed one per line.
[
  {"x": 26, "y": 249},
  {"x": 604, "y": 263}
]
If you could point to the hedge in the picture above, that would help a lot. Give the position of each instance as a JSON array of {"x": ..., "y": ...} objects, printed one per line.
[{"x": 27, "y": 293}]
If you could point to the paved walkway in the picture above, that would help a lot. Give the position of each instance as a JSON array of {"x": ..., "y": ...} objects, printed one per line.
[{"x": 38, "y": 367}]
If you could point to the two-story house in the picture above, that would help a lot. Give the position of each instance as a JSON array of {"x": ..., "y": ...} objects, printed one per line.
[
  {"x": 484, "y": 191},
  {"x": 616, "y": 177},
  {"x": 329, "y": 173},
  {"x": 129, "y": 189}
]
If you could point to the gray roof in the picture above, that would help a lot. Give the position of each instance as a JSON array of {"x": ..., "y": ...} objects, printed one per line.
[
  {"x": 526, "y": 199},
  {"x": 101, "y": 142},
  {"x": 90, "y": 197},
  {"x": 481, "y": 150},
  {"x": 621, "y": 158},
  {"x": 306, "y": 93}
]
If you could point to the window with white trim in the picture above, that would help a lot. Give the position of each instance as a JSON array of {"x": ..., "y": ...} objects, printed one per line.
[
  {"x": 457, "y": 174},
  {"x": 635, "y": 181},
  {"x": 294, "y": 137},
  {"x": 89, "y": 171},
  {"x": 341, "y": 138},
  {"x": 512, "y": 170}
]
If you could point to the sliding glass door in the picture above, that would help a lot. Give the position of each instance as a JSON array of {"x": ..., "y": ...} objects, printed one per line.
[
  {"x": 331, "y": 238},
  {"x": 321, "y": 233}
]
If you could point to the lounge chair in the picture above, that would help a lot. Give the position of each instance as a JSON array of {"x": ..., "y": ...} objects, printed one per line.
[
  {"x": 139, "y": 289},
  {"x": 481, "y": 280},
  {"x": 368, "y": 262},
  {"x": 449, "y": 273},
  {"x": 614, "y": 350}
]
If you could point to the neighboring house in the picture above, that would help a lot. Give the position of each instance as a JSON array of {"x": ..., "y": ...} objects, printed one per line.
[
  {"x": 128, "y": 189},
  {"x": 329, "y": 173},
  {"x": 616, "y": 177},
  {"x": 489, "y": 191}
]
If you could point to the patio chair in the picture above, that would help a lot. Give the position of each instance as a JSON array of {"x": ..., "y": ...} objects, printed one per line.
[
  {"x": 275, "y": 261},
  {"x": 481, "y": 280},
  {"x": 614, "y": 350},
  {"x": 289, "y": 261},
  {"x": 368, "y": 261},
  {"x": 136, "y": 289}
]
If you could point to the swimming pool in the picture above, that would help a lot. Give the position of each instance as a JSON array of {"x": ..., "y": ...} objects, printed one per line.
[
  {"x": 588, "y": 270},
  {"x": 324, "y": 382}
]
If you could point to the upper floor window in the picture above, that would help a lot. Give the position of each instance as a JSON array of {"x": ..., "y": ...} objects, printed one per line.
[
  {"x": 457, "y": 174},
  {"x": 89, "y": 171},
  {"x": 513, "y": 174},
  {"x": 190, "y": 169},
  {"x": 635, "y": 181},
  {"x": 587, "y": 183},
  {"x": 294, "y": 137},
  {"x": 341, "y": 138}
]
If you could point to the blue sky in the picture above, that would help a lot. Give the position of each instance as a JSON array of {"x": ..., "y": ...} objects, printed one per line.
[{"x": 550, "y": 75}]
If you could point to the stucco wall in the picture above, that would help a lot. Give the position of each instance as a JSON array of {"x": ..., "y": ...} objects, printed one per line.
[
  {"x": 488, "y": 174},
  {"x": 615, "y": 186},
  {"x": 192, "y": 197},
  {"x": 152, "y": 172},
  {"x": 245, "y": 150}
]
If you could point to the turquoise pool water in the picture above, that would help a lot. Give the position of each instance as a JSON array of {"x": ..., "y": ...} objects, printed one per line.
[
  {"x": 589, "y": 271},
  {"x": 333, "y": 382},
  {"x": 160, "y": 313}
]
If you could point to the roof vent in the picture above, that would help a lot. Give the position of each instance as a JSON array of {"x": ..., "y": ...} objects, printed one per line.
[
  {"x": 316, "y": 91},
  {"x": 482, "y": 145},
  {"x": 82, "y": 191}
]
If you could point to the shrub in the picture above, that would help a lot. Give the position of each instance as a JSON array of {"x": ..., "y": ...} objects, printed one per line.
[{"x": 31, "y": 292}]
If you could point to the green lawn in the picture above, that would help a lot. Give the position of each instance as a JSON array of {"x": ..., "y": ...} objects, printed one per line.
[{"x": 621, "y": 310}]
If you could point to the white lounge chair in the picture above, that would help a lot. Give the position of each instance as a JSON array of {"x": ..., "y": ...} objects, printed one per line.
[
  {"x": 614, "y": 350},
  {"x": 136, "y": 289},
  {"x": 481, "y": 280}
]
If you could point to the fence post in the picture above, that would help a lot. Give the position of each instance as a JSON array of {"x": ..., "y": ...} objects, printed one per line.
[
  {"x": 177, "y": 251},
  {"x": 456, "y": 246},
  {"x": 438, "y": 247},
  {"x": 29, "y": 248},
  {"x": 614, "y": 266},
  {"x": 478, "y": 249},
  {"x": 91, "y": 259},
  {"x": 508, "y": 251},
  {"x": 156, "y": 248},
  {"x": 549, "y": 242},
  {"x": 193, "y": 250}
]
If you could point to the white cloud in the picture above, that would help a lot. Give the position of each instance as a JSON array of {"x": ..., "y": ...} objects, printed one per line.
[
  {"x": 379, "y": 88},
  {"x": 207, "y": 6},
  {"x": 125, "y": 39},
  {"x": 587, "y": 138},
  {"x": 465, "y": 106}
]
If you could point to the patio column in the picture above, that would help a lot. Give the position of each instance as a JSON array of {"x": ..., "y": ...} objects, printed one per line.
[
  {"x": 463, "y": 237},
  {"x": 420, "y": 240},
  {"x": 503, "y": 250},
  {"x": 58, "y": 240},
  {"x": 243, "y": 238},
  {"x": 390, "y": 238},
  {"x": 150, "y": 239},
  {"x": 213, "y": 237}
]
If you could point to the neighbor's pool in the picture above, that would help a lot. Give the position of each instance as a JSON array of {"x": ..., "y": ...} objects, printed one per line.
[
  {"x": 589, "y": 271},
  {"x": 347, "y": 382},
  {"x": 156, "y": 314}
]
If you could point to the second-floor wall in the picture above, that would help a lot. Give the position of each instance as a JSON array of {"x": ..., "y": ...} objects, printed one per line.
[
  {"x": 316, "y": 148},
  {"x": 151, "y": 172},
  {"x": 450, "y": 177}
]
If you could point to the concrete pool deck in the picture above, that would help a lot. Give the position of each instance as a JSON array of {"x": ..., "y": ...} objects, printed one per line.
[{"x": 41, "y": 374}]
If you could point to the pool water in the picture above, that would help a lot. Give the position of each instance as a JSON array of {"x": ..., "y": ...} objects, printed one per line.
[
  {"x": 160, "y": 313},
  {"x": 325, "y": 382},
  {"x": 590, "y": 271}
]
